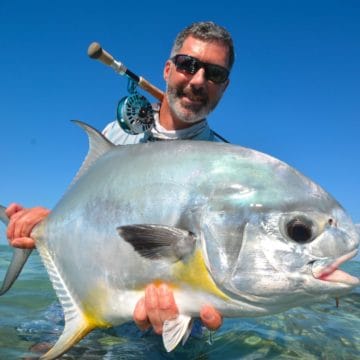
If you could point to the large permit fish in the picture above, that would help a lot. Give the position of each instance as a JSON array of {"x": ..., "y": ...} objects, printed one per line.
[{"x": 221, "y": 224}]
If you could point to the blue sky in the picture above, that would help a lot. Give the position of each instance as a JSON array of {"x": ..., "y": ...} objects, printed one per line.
[{"x": 294, "y": 91}]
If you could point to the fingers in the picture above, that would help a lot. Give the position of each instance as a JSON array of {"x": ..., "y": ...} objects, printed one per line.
[
  {"x": 167, "y": 305},
  {"x": 160, "y": 304},
  {"x": 23, "y": 243},
  {"x": 157, "y": 306},
  {"x": 12, "y": 225},
  {"x": 140, "y": 315},
  {"x": 210, "y": 317},
  {"x": 151, "y": 306},
  {"x": 21, "y": 223},
  {"x": 17, "y": 225},
  {"x": 12, "y": 209}
]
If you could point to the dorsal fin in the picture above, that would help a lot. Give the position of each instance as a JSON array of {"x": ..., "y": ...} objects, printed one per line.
[{"x": 98, "y": 146}]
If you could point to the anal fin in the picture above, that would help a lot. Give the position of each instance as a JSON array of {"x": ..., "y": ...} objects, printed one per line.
[
  {"x": 77, "y": 322},
  {"x": 75, "y": 329}
]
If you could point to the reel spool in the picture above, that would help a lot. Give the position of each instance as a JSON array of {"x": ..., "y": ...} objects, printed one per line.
[{"x": 135, "y": 113}]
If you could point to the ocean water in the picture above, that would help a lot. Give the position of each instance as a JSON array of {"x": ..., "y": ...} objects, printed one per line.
[{"x": 30, "y": 315}]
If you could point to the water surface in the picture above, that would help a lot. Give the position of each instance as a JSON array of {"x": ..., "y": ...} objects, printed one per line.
[{"x": 30, "y": 314}]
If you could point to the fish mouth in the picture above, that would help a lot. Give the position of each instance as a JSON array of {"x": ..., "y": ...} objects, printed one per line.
[{"x": 329, "y": 271}]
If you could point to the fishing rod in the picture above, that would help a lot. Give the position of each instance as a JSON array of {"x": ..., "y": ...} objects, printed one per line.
[
  {"x": 134, "y": 112},
  {"x": 95, "y": 51}
]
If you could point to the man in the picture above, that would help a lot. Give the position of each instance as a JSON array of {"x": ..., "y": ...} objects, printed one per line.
[{"x": 196, "y": 76}]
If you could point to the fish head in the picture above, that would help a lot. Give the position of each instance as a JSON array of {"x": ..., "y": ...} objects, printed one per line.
[{"x": 277, "y": 243}]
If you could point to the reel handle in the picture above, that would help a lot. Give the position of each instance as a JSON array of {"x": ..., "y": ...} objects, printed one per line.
[{"x": 95, "y": 51}]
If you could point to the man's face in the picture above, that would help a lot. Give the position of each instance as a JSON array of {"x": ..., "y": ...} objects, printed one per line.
[{"x": 192, "y": 96}]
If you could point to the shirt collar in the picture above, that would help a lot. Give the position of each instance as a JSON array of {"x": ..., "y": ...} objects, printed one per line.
[{"x": 159, "y": 132}]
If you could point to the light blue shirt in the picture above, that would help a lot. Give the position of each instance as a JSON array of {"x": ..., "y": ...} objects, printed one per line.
[{"x": 198, "y": 131}]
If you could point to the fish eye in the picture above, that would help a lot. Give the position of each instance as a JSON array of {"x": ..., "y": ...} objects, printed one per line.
[{"x": 299, "y": 230}]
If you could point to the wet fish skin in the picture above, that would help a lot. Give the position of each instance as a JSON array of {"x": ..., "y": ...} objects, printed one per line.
[{"x": 213, "y": 220}]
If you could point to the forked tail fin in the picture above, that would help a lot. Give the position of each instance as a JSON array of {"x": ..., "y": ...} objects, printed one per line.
[{"x": 17, "y": 262}]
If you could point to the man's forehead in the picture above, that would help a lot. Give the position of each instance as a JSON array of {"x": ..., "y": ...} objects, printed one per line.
[{"x": 208, "y": 51}]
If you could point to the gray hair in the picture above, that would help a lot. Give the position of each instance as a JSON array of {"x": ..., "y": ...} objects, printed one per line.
[{"x": 206, "y": 31}]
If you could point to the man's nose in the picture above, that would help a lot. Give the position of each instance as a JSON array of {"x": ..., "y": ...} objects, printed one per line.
[{"x": 199, "y": 77}]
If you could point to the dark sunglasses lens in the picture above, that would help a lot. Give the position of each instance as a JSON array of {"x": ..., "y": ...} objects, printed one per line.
[
  {"x": 215, "y": 73},
  {"x": 186, "y": 63}
]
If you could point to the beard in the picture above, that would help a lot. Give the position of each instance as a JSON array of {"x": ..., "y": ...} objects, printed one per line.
[{"x": 189, "y": 112}]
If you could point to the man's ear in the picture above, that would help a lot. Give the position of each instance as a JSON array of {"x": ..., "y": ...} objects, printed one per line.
[{"x": 166, "y": 71}]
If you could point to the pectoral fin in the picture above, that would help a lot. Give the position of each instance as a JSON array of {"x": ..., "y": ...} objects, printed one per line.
[
  {"x": 159, "y": 241},
  {"x": 175, "y": 330}
]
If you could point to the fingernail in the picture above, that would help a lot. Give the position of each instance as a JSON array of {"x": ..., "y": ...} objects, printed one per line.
[
  {"x": 208, "y": 316},
  {"x": 163, "y": 290}
]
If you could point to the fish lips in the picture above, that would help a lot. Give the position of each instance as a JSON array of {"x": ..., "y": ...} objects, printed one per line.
[{"x": 328, "y": 270}]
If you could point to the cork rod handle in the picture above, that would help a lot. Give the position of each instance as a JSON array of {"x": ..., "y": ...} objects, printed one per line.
[{"x": 95, "y": 51}]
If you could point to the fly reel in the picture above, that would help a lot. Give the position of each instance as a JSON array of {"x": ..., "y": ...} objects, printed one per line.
[{"x": 135, "y": 113}]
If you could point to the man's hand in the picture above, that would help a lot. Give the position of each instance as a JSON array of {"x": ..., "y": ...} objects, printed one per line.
[
  {"x": 158, "y": 305},
  {"x": 21, "y": 223}
]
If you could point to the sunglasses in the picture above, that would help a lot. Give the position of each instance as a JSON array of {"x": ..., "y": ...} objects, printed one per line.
[{"x": 191, "y": 65}]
